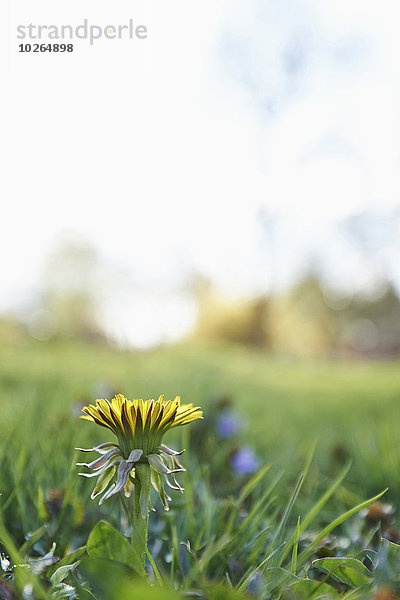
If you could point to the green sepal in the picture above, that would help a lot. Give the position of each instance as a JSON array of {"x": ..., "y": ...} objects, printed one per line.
[
  {"x": 157, "y": 464},
  {"x": 157, "y": 481},
  {"x": 103, "y": 481}
]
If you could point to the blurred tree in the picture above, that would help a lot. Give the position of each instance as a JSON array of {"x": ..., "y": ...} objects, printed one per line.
[
  {"x": 300, "y": 321},
  {"x": 223, "y": 319},
  {"x": 303, "y": 321},
  {"x": 371, "y": 325}
]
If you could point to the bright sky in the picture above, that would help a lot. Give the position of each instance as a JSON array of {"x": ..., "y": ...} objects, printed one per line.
[{"x": 287, "y": 108}]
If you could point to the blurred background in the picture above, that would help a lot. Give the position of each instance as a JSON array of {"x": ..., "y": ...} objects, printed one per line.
[{"x": 246, "y": 190}]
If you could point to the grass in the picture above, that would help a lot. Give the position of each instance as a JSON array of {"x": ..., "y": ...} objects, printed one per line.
[{"x": 238, "y": 534}]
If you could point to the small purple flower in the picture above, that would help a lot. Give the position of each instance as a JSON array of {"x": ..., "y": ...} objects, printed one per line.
[
  {"x": 244, "y": 461},
  {"x": 227, "y": 425},
  {"x": 256, "y": 584}
]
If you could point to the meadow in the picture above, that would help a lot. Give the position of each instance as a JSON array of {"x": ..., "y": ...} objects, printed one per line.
[{"x": 298, "y": 520}]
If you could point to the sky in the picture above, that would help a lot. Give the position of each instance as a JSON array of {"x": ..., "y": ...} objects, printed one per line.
[{"x": 241, "y": 143}]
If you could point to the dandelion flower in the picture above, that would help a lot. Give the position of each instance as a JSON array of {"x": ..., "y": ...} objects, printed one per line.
[{"x": 139, "y": 458}]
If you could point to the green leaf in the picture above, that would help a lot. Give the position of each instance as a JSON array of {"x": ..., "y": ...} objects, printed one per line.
[
  {"x": 63, "y": 592},
  {"x": 387, "y": 567},
  {"x": 313, "y": 590},
  {"x": 107, "y": 543},
  {"x": 350, "y": 571},
  {"x": 68, "y": 559},
  {"x": 62, "y": 572}
]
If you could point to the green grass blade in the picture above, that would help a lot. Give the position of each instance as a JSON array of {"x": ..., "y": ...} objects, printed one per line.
[
  {"x": 247, "y": 576},
  {"x": 258, "y": 510},
  {"x": 295, "y": 547},
  {"x": 326, "y": 531},
  {"x": 288, "y": 510},
  {"x": 290, "y": 504},
  {"x": 252, "y": 483},
  {"x": 156, "y": 570},
  {"x": 324, "y": 499},
  {"x": 317, "y": 508}
]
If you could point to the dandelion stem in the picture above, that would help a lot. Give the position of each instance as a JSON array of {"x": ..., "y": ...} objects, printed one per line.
[{"x": 140, "y": 509}]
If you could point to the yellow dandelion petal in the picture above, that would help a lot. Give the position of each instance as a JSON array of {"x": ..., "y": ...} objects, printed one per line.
[
  {"x": 169, "y": 415},
  {"x": 105, "y": 410},
  {"x": 147, "y": 408},
  {"x": 139, "y": 414},
  {"x": 149, "y": 414},
  {"x": 94, "y": 415},
  {"x": 170, "y": 407},
  {"x": 117, "y": 417},
  {"x": 157, "y": 408},
  {"x": 167, "y": 407},
  {"x": 104, "y": 407},
  {"x": 125, "y": 413},
  {"x": 183, "y": 409},
  {"x": 186, "y": 414},
  {"x": 88, "y": 418},
  {"x": 132, "y": 417},
  {"x": 117, "y": 402},
  {"x": 128, "y": 419}
]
